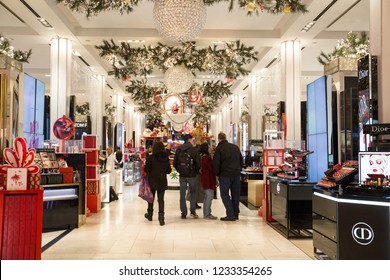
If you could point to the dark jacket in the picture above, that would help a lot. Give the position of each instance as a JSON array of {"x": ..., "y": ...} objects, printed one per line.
[
  {"x": 193, "y": 152},
  {"x": 207, "y": 177},
  {"x": 227, "y": 160},
  {"x": 157, "y": 167}
]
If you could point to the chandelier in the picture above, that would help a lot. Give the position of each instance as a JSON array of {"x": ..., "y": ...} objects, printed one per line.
[
  {"x": 179, "y": 20},
  {"x": 178, "y": 79}
]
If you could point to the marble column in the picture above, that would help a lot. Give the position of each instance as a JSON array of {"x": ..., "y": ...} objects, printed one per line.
[
  {"x": 291, "y": 87},
  {"x": 60, "y": 82}
]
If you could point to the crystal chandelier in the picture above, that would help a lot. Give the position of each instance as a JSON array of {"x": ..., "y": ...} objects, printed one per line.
[
  {"x": 179, "y": 20},
  {"x": 178, "y": 79}
]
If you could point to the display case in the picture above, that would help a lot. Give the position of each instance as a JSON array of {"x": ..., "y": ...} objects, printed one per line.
[
  {"x": 291, "y": 207},
  {"x": 273, "y": 156},
  {"x": 61, "y": 205},
  {"x": 92, "y": 172}
]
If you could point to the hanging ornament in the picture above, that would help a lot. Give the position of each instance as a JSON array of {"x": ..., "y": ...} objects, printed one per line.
[
  {"x": 179, "y": 20},
  {"x": 287, "y": 8},
  {"x": 156, "y": 97},
  {"x": 178, "y": 79},
  {"x": 270, "y": 4},
  {"x": 251, "y": 6}
]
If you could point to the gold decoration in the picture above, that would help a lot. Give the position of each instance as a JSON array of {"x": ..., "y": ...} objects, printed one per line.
[
  {"x": 287, "y": 8},
  {"x": 251, "y": 7}
]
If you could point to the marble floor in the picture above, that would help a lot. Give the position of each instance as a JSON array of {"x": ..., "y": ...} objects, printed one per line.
[{"x": 120, "y": 232}]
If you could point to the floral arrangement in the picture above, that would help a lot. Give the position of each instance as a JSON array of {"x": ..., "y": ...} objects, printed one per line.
[
  {"x": 127, "y": 61},
  {"x": 352, "y": 46},
  {"x": 7, "y": 49},
  {"x": 83, "y": 109},
  {"x": 109, "y": 110},
  {"x": 244, "y": 115},
  {"x": 94, "y": 7},
  {"x": 271, "y": 114}
]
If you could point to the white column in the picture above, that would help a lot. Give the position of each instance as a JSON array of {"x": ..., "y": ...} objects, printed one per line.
[
  {"x": 117, "y": 101},
  {"x": 380, "y": 46},
  {"x": 291, "y": 87},
  {"x": 60, "y": 82},
  {"x": 97, "y": 111},
  {"x": 129, "y": 122}
]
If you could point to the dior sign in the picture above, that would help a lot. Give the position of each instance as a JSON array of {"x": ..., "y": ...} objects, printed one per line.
[
  {"x": 377, "y": 129},
  {"x": 362, "y": 233}
]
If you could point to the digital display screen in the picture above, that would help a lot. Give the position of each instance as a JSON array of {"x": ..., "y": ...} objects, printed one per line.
[{"x": 376, "y": 163}]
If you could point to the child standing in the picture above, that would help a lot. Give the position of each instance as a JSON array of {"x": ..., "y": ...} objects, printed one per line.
[{"x": 207, "y": 179}]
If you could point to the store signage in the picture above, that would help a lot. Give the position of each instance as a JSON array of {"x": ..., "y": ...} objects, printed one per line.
[
  {"x": 362, "y": 233},
  {"x": 81, "y": 124},
  {"x": 377, "y": 129}
]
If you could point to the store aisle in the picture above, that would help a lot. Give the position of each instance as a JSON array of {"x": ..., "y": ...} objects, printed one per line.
[{"x": 120, "y": 231}]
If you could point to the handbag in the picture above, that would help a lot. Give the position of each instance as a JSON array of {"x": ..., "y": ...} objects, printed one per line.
[{"x": 144, "y": 190}]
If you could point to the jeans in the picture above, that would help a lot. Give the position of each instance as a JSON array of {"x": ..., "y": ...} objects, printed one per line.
[
  {"x": 230, "y": 188},
  {"x": 191, "y": 182},
  {"x": 208, "y": 198}
]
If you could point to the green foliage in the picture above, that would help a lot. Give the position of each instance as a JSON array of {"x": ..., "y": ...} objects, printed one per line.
[
  {"x": 94, "y": 7},
  {"x": 352, "y": 46},
  {"x": 83, "y": 109},
  {"x": 141, "y": 61},
  {"x": 7, "y": 49}
]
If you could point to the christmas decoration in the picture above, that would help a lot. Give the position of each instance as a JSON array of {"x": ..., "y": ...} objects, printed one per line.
[
  {"x": 228, "y": 61},
  {"x": 94, "y": 7},
  {"x": 353, "y": 46},
  {"x": 7, "y": 49},
  {"x": 179, "y": 20},
  {"x": 178, "y": 79}
]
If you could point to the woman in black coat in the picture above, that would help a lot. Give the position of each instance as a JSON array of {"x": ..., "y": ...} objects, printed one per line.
[{"x": 156, "y": 168}]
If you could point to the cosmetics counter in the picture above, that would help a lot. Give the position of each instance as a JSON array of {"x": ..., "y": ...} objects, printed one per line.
[
  {"x": 290, "y": 206},
  {"x": 351, "y": 223}
]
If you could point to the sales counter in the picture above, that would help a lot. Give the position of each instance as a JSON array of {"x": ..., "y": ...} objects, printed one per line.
[
  {"x": 351, "y": 224},
  {"x": 252, "y": 187},
  {"x": 290, "y": 206}
]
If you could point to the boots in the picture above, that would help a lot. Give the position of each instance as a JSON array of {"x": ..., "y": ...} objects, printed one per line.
[
  {"x": 149, "y": 216},
  {"x": 161, "y": 218}
]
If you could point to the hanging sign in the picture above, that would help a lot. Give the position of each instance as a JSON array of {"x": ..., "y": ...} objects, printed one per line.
[
  {"x": 63, "y": 128},
  {"x": 377, "y": 129}
]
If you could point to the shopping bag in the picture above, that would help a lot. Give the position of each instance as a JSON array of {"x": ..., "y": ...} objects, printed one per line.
[{"x": 144, "y": 190}]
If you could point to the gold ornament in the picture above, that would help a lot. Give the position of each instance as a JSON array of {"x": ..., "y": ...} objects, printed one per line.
[
  {"x": 126, "y": 1},
  {"x": 108, "y": 56},
  {"x": 287, "y": 9},
  {"x": 251, "y": 7}
]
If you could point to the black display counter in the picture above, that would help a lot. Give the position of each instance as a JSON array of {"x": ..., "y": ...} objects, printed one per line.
[
  {"x": 61, "y": 206},
  {"x": 290, "y": 207},
  {"x": 351, "y": 225},
  {"x": 248, "y": 175}
]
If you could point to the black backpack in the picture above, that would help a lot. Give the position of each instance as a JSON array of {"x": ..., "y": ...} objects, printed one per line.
[{"x": 185, "y": 164}]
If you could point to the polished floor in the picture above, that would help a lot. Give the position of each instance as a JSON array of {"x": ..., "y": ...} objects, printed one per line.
[{"x": 120, "y": 232}]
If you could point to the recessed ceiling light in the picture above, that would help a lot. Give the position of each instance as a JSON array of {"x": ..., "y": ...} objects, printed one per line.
[{"x": 131, "y": 41}]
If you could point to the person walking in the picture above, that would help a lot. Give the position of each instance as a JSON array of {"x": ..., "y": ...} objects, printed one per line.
[
  {"x": 207, "y": 180},
  {"x": 110, "y": 167},
  {"x": 157, "y": 167},
  {"x": 228, "y": 163},
  {"x": 187, "y": 164}
]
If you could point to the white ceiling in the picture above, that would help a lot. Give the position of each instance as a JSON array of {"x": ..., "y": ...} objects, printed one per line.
[{"x": 264, "y": 31}]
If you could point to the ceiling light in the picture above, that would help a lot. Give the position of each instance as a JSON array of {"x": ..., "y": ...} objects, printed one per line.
[
  {"x": 179, "y": 20},
  {"x": 76, "y": 53},
  {"x": 131, "y": 41},
  {"x": 308, "y": 26},
  {"x": 45, "y": 23}
]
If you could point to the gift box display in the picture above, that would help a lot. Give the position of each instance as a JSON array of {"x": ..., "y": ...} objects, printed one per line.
[{"x": 20, "y": 157}]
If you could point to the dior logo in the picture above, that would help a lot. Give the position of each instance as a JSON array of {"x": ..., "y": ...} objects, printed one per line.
[{"x": 362, "y": 233}]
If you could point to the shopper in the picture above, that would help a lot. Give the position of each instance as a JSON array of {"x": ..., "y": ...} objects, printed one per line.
[
  {"x": 110, "y": 167},
  {"x": 157, "y": 167},
  {"x": 187, "y": 164},
  {"x": 228, "y": 164},
  {"x": 119, "y": 157},
  {"x": 207, "y": 180}
]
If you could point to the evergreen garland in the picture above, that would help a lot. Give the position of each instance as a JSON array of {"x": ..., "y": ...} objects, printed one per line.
[
  {"x": 7, "y": 49},
  {"x": 94, "y": 7},
  {"x": 352, "y": 46},
  {"x": 141, "y": 61}
]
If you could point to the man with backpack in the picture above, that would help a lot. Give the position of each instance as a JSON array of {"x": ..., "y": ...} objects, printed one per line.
[{"x": 187, "y": 164}]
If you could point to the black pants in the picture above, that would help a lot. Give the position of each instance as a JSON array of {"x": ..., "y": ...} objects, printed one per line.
[
  {"x": 160, "y": 199},
  {"x": 113, "y": 195}
]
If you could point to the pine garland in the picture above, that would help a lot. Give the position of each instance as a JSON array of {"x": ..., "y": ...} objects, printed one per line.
[
  {"x": 94, "y": 7},
  {"x": 7, "y": 49},
  {"x": 352, "y": 46},
  {"x": 144, "y": 95},
  {"x": 141, "y": 61}
]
